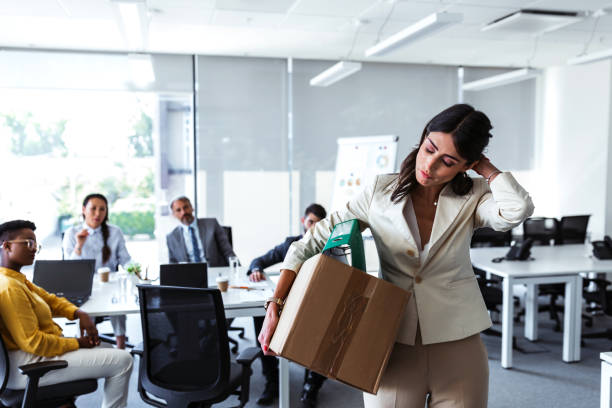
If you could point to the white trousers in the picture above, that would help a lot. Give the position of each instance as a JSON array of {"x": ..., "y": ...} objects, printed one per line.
[{"x": 114, "y": 365}]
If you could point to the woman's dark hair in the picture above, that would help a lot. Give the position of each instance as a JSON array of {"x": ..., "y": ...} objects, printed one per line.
[
  {"x": 470, "y": 131},
  {"x": 106, "y": 251}
]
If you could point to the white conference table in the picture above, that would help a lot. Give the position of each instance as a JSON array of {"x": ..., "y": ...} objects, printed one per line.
[
  {"x": 108, "y": 299},
  {"x": 550, "y": 264}
]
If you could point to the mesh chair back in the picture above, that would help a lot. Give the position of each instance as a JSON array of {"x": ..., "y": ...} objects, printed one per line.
[
  {"x": 184, "y": 338},
  {"x": 4, "y": 366},
  {"x": 573, "y": 229},
  {"x": 541, "y": 230},
  {"x": 488, "y": 237}
]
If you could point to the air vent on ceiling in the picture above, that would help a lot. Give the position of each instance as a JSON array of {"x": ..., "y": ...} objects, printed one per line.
[{"x": 533, "y": 21}]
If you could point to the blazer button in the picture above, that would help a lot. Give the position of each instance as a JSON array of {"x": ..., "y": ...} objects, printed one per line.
[
  {"x": 410, "y": 252},
  {"x": 417, "y": 279}
]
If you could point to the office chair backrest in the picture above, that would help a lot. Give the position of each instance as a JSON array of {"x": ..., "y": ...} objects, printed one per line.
[
  {"x": 541, "y": 230},
  {"x": 228, "y": 232},
  {"x": 4, "y": 366},
  {"x": 573, "y": 229},
  {"x": 488, "y": 237},
  {"x": 185, "y": 340}
]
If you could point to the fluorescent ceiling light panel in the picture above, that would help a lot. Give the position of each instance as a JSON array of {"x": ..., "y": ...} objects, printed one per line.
[
  {"x": 141, "y": 69},
  {"x": 534, "y": 21},
  {"x": 592, "y": 57},
  {"x": 134, "y": 22},
  {"x": 423, "y": 28},
  {"x": 335, "y": 73},
  {"x": 502, "y": 79}
]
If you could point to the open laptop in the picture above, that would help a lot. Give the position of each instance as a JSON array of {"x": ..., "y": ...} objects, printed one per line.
[
  {"x": 191, "y": 275},
  {"x": 70, "y": 279}
]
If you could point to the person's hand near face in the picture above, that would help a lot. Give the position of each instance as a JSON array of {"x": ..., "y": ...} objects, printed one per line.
[
  {"x": 485, "y": 168},
  {"x": 94, "y": 214}
]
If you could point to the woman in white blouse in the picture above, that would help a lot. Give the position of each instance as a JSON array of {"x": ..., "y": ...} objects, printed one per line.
[
  {"x": 422, "y": 221},
  {"x": 96, "y": 239}
]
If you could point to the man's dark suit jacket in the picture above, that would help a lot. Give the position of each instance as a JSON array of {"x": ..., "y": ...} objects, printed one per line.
[
  {"x": 217, "y": 247},
  {"x": 273, "y": 256}
]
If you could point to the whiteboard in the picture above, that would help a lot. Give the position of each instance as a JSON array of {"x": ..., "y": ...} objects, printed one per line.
[{"x": 359, "y": 160}]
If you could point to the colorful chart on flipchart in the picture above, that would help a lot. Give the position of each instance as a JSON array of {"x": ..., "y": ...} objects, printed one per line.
[{"x": 358, "y": 161}]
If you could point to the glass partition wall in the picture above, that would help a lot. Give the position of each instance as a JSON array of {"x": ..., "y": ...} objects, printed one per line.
[
  {"x": 263, "y": 147},
  {"x": 72, "y": 124}
]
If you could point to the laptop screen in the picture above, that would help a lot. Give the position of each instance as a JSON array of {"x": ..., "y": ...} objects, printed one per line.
[
  {"x": 191, "y": 275},
  {"x": 65, "y": 278}
]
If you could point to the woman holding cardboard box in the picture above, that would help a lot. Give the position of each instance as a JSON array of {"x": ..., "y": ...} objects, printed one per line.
[{"x": 422, "y": 221}]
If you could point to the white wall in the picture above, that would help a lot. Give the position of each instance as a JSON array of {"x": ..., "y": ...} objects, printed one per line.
[{"x": 573, "y": 154}]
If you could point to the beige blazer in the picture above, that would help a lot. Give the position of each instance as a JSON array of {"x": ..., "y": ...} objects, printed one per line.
[{"x": 447, "y": 303}]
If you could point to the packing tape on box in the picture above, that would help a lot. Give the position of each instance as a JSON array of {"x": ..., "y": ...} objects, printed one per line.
[{"x": 343, "y": 326}]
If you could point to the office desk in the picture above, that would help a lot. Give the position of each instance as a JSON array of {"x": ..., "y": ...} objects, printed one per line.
[
  {"x": 551, "y": 264},
  {"x": 107, "y": 299}
]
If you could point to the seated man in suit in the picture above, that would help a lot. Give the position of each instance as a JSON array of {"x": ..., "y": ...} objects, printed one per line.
[
  {"x": 197, "y": 240},
  {"x": 269, "y": 364}
]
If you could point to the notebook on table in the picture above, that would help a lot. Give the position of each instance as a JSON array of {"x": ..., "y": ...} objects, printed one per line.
[{"x": 71, "y": 279}]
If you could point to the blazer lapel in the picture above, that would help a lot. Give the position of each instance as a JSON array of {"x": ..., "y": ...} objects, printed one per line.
[
  {"x": 449, "y": 207},
  {"x": 181, "y": 245},
  {"x": 395, "y": 213}
]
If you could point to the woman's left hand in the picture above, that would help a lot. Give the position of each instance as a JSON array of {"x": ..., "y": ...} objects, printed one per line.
[
  {"x": 87, "y": 326},
  {"x": 484, "y": 167}
]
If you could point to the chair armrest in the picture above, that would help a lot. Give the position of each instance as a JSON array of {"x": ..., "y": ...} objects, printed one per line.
[
  {"x": 137, "y": 350},
  {"x": 40, "y": 369},
  {"x": 247, "y": 356}
]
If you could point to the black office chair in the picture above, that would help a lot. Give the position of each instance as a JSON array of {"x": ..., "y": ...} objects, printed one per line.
[
  {"x": 598, "y": 301},
  {"x": 544, "y": 231},
  {"x": 240, "y": 330},
  {"x": 188, "y": 363},
  {"x": 572, "y": 229},
  {"x": 491, "y": 290},
  {"x": 35, "y": 396}
]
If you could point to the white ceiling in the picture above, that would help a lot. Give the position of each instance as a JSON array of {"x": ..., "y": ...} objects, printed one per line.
[{"x": 317, "y": 29}]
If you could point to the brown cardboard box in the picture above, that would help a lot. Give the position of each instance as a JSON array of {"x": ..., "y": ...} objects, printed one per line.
[{"x": 340, "y": 322}]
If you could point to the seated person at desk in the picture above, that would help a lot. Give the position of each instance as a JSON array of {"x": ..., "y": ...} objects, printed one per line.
[
  {"x": 96, "y": 239},
  {"x": 269, "y": 364},
  {"x": 31, "y": 335},
  {"x": 204, "y": 234}
]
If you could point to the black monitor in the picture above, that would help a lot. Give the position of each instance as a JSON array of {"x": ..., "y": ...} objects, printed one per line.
[
  {"x": 190, "y": 275},
  {"x": 71, "y": 279}
]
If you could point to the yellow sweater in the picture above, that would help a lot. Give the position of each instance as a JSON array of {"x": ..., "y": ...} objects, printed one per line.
[{"x": 27, "y": 313}]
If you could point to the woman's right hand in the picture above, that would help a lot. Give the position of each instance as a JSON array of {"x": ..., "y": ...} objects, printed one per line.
[
  {"x": 268, "y": 328},
  {"x": 81, "y": 237},
  {"x": 86, "y": 342}
]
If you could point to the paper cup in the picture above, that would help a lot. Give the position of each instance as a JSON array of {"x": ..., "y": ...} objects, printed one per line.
[
  {"x": 104, "y": 274},
  {"x": 222, "y": 283}
]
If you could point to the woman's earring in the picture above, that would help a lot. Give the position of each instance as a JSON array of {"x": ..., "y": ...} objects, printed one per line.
[{"x": 465, "y": 174}]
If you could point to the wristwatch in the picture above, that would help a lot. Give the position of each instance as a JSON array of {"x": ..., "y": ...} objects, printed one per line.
[{"x": 280, "y": 302}]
